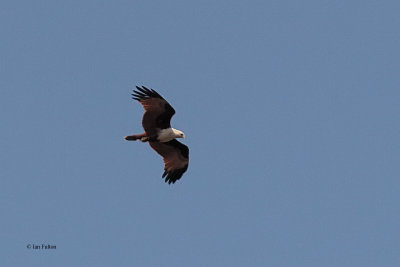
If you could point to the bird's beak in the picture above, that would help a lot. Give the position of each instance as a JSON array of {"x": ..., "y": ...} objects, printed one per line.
[{"x": 184, "y": 136}]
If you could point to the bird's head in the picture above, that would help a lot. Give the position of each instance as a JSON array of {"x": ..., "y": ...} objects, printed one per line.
[{"x": 179, "y": 134}]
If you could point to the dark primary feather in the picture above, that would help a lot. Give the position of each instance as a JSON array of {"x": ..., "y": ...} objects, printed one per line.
[{"x": 145, "y": 93}]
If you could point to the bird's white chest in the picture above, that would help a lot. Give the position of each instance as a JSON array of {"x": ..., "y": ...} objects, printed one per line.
[{"x": 165, "y": 135}]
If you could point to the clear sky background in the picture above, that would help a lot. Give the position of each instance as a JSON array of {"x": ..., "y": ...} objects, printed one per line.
[{"x": 291, "y": 112}]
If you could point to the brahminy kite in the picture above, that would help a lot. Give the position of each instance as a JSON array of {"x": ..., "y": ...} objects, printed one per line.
[{"x": 161, "y": 136}]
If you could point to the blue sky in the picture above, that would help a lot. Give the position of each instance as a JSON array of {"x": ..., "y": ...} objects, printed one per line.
[{"x": 291, "y": 112}]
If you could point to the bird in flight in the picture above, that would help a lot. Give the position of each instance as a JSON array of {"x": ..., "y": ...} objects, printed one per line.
[{"x": 160, "y": 135}]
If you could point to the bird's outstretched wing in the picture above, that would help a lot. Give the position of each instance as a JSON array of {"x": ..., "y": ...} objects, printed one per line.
[
  {"x": 175, "y": 156},
  {"x": 158, "y": 112}
]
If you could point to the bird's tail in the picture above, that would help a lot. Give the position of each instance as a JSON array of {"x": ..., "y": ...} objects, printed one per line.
[{"x": 134, "y": 137}]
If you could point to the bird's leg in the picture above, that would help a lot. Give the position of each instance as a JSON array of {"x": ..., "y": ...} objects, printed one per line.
[{"x": 148, "y": 139}]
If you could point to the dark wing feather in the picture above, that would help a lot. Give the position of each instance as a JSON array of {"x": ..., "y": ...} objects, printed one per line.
[
  {"x": 158, "y": 112},
  {"x": 175, "y": 156}
]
